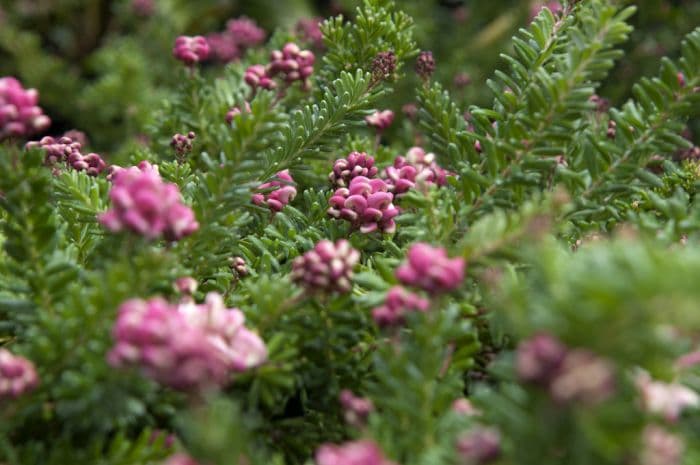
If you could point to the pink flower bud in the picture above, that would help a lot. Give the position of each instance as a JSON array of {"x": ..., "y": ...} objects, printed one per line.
[
  {"x": 310, "y": 31},
  {"x": 429, "y": 268},
  {"x": 292, "y": 64},
  {"x": 425, "y": 65},
  {"x": 357, "y": 409},
  {"x": 245, "y": 32},
  {"x": 665, "y": 399},
  {"x": 328, "y": 267},
  {"x": 180, "y": 459},
  {"x": 235, "y": 111},
  {"x": 276, "y": 193},
  {"x": 397, "y": 304},
  {"x": 479, "y": 446},
  {"x": 465, "y": 407},
  {"x": 257, "y": 76},
  {"x": 583, "y": 377},
  {"x": 20, "y": 115},
  {"x": 186, "y": 285},
  {"x": 191, "y": 50},
  {"x": 366, "y": 204},
  {"x": 238, "y": 266},
  {"x": 659, "y": 447},
  {"x": 539, "y": 358},
  {"x": 355, "y": 164},
  {"x": 351, "y": 453},
  {"x": 380, "y": 120},
  {"x": 17, "y": 375}
]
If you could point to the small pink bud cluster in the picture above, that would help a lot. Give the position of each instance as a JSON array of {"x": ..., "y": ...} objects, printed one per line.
[
  {"x": 278, "y": 192},
  {"x": 292, "y": 64},
  {"x": 235, "y": 111},
  {"x": 465, "y": 407},
  {"x": 240, "y": 34},
  {"x": 180, "y": 459},
  {"x": 257, "y": 76},
  {"x": 356, "y": 409},
  {"x": 355, "y": 164},
  {"x": 17, "y": 375},
  {"x": 143, "y": 203},
  {"x": 665, "y": 399},
  {"x": 310, "y": 31},
  {"x": 186, "y": 285},
  {"x": 397, "y": 304},
  {"x": 380, "y": 120},
  {"x": 20, "y": 114},
  {"x": 659, "y": 447},
  {"x": 67, "y": 150},
  {"x": 384, "y": 65},
  {"x": 238, "y": 266},
  {"x": 366, "y": 203},
  {"x": 191, "y": 50},
  {"x": 569, "y": 375},
  {"x": 328, "y": 267},
  {"x": 362, "y": 452},
  {"x": 143, "y": 8},
  {"x": 430, "y": 269},
  {"x": 417, "y": 168},
  {"x": 425, "y": 65},
  {"x": 182, "y": 143},
  {"x": 188, "y": 347},
  {"x": 479, "y": 446}
]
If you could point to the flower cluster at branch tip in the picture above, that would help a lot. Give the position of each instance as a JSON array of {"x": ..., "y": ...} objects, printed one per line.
[
  {"x": 17, "y": 375},
  {"x": 143, "y": 8},
  {"x": 245, "y": 32},
  {"x": 397, "y": 304},
  {"x": 569, "y": 375},
  {"x": 462, "y": 80},
  {"x": 67, "y": 150},
  {"x": 384, "y": 65},
  {"x": 292, "y": 64},
  {"x": 235, "y": 111},
  {"x": 425, "y": 65},
  {"x": 238, "y": 266},
  {"x": 256, "y": 76},
  {"x": 355, "y": 409},
  {"x": 186, "y": 285},
  {"x": 363, "y": 452},
  {"x": 191, "y": 50},
  {"x": 366, "y": 203},
  {"x": 310, "y": 31},
  {"x": 182, "y": 144},
  {"x": 188, "y": 347},
  {"x": 240, "y": 34},
  {"x": 429, "y": 268},
  {"x": 278, "y": 192},
  {"x": 20, "y": 113},
  {"x": 355, "y": 164},
  {"x": 180, "y": 459},
  {"x": 659, "y": 447},
  {"x": 464, "y": 406},
  {"x": 143, "y": 203},
  {"x": 380, "y": 120},
  {"x": 417, "y": 168},
  {"x": 479, "y": 446},
  {"x": 328, "y": 267},
  {"x": 665, "y": 399}
]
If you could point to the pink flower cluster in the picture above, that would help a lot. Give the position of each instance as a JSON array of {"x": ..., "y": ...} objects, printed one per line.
[
  {"x": 182, "y": 143},
  {"x": 569, "y": 375},
  {"x": 143, "y": 203},
  {"x": 191, "y": 50},
  {"x": 479, "y": 446},
  {"x": 310, "y": 31},
  {"x": 240, "y": 34},
  {"x": 665, "y": 399},
  {"x": 328, "y": 267},
  {"x": 180, "y": 459},
  {"x": 366, "y": 203},
  {"x": 417, "y": 168},
  {"x": 362, "y": 452},
  {"x": 380, "y": 120},
  {"x": 397, "y": 304},
  {"x": 143, "y": 8},
  {"x": 67, "y": 150},
  {"x": 661, "y": 447},
  {"x": 20, "y": 114},
  {"x": 188, "y": 347},
  {"x": 290, "y": 64},
  {"x": 356, "y": 409},
  {"x": 235, "y": 111},
  {"x": 429, "y": 268},
  {"x": 17, "y": 375},
  {"x": 355, "y": 164},
  {"x": 277, "y": 193}
]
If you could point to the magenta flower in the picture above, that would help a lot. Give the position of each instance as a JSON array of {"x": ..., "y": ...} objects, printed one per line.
[
  {"x": 257, "y": 76},
  {"x": 429, "y": 268},
  {"x": 20, "y": 114},
  {"x": 425, "y": 65},
  {"x": 355, "y": 164},
  {"x": 366, "y": 203},
  {"x": 223, "y": 47},
  {"x": 479, "y": 446},
  {"x": 182, "y": 143},
  {"x": 238, "y": 266},
  {"x": 186, "y": 285},
  {"x": 191, "y": 50},
  {"x": 278, "y": 192},
  {"x": 144, "y": 204},
  {"x": 398, "y": 303},
  {"x": 235, "y": 111},
  {"x": 380, "y": 120},
  {"x": 363, "y": 452},
  {"x": 67, "y": 150},
  {"x": 539, "y": 358},
  {"x": 328, "y": 267},
  {"x": 356, "y": 409},
  {"x": 245, "y": 32},
  {"x": 418, "y": 168},
  {"x": 292, "y": 64},
  {"x": 17, "y": 375},
  {"x": 309, "y": 29}
]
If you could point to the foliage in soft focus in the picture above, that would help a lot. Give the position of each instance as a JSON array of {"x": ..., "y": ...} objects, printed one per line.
[{"x": 415, "y": 232}]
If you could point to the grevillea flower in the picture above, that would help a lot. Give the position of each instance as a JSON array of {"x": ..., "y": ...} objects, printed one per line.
[
  {"x": 310, "y": 31},
  {"x": 238, "y": 266},
  {"x": 182, "y": 143},
  {"x": 429, "y": 268},
  {"x": 418, "y": 168},
  {"x": 328, "y": 267},
  {"x": 223, "y": 47},
  {"x": 355, "y": 164},
  {"x": 245, "y": 32},
  {"x": 67, "y": 150},
  {"x": 20, "y": 114},
  {"x": 584, "y": 378},
  {"x": 188, "y": 347},
  {"x": 479, "y": 446},
  {"x": 397, "y": 304},
  {"x": 292, "y": 64},
  {"x": 186, "y": 285},
  {"x": 191, "y": 50},
  {"x": 380, "y": 120},
  {"x": 659, "y": 447},
  {"x": 180, "y": 459},
  {"x": 278, "y": 192},
  {"x": 257, "y": 76},
  {"x": 143, "y": 203},
  {"x": 425, "y": 65},
  {"x": 235, "y": 111},
  {"x": 539, "y": 358},
  {"x": 666, "y": 399},
  {"x": 356, "y": 409},
  {"x": 17, "y": 375},
  {"x": 351, "y": 453},
  {"x": 366, "y": 203},
  {"x": 384, "y": 65},
  {"x": 465, "y": 407}
]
